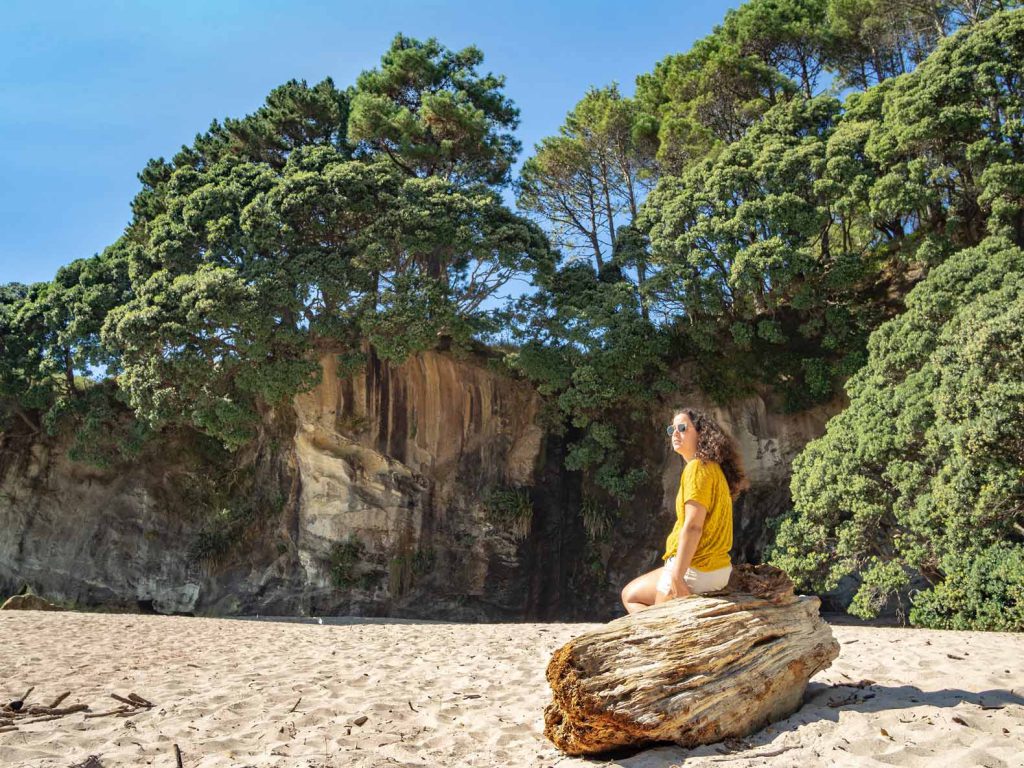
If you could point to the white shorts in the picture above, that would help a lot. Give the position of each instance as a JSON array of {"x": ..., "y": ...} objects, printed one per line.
[{"x": 697, "y": 581}]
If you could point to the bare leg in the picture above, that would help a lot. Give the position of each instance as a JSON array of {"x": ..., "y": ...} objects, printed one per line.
[{"x": 641, "y": 592}]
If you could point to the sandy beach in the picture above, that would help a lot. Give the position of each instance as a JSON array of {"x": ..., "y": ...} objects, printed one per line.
[{"x": 377, "y": 692}]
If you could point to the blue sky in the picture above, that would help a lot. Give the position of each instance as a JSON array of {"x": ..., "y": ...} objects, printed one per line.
[{"x": 89, "y": 91}]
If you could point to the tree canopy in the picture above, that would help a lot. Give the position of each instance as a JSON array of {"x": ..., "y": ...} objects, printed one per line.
[{"x": 359, "y": 221}]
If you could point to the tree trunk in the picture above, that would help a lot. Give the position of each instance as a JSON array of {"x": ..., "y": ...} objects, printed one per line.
[
  {"x": 690, "y": 671},
  {"x": 69, "y": 373}
]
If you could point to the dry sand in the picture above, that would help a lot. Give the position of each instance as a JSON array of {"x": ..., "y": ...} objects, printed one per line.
[{"x": 261, "y": 693}]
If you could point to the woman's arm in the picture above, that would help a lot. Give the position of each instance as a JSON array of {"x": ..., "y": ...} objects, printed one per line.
[{"x": 689, "y": 538}]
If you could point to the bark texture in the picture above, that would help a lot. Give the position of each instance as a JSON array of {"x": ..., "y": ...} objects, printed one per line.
[{"x": 690, "y": 671}]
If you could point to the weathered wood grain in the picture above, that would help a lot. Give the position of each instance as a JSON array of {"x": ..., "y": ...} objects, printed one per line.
[{"x": 691, "y": 671}]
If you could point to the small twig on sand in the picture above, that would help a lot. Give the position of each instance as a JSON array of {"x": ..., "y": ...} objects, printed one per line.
[
  {"x": 55, "y": 711},
  {"x": 117, "y": 711},
  {"x": 5, "y": 728},
  {"x": 70, "y": 710},
  {"x": 59, "y": 699},
  {"x": 177, "y": 756},
  {"x": 294, "y": 706},
  {"x": 42, "y": 719},
  {"x": 140, "y": 701}
]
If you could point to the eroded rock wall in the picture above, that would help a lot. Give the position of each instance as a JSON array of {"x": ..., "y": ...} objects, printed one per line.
[
  {"x": 400, "y": 460},
  {"x": 387, "y": 473},
  {"x": 89, "y": 537},
  {"x": 384, "y": 479}
]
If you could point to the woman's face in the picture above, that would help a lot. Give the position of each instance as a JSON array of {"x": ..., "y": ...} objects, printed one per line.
[{"x": 684, "y": 443}]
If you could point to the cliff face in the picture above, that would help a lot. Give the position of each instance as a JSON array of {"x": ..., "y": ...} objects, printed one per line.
[
  {"x": 428, "y": 489},
  {"x": 400, "y": 462}
]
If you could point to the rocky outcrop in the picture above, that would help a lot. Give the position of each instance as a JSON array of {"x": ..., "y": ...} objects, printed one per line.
[
  {"x": 385, "y": 481},
  {"x": 92, "y": 537},
  {"x": 398, "y": 464},
  {"x": 429, "y": 489},
  {"x": 691, "y": 671}
]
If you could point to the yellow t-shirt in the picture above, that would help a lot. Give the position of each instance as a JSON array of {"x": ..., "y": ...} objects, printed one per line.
[{"x": 704, "y": 482}]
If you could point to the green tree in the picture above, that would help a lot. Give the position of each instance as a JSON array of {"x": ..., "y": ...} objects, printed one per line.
[
  {"x": 585, "y": 344},
  {"x": 430, "y": 113},
  {"x": 870, "y": 40},
  {"x": 312, "y": 226},
  {"x": 756, "y": 255},
  {"x": 52, "y": 354},
  {"x": 925, "y": 470},
  {"x": 764, "y": 53},
  {"x": 949, "y": 143},
  {"x": 592, "y": 177}
]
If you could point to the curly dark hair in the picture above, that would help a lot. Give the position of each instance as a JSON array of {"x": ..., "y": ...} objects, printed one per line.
[{"x": 713, "y": 444}]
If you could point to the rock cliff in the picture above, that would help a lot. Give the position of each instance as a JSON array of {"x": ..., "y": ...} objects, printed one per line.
[{"x": 429, "y": 489}]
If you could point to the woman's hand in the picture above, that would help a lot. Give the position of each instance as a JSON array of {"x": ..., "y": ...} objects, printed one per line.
[{"x": 679, "y": 587}]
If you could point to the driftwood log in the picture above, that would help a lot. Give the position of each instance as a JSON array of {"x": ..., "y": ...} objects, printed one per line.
[
  {"x": 28, "y": 603},
  {"x": 691, "y": 671}
]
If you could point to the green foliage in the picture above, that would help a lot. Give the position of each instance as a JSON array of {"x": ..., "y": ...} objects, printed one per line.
[
  {"x": 871, "y": 40},
  {"x": 103, "y": 431},
  {"x": 326, "y": 220},
  {"x": 583, "y": 181},
  {"x": 598, "y": 519},
  {"x": 50, "y": 331},
  {"x": 880, "y": 580},
  {"x": 790, "y": 240},
  {"x": 924, "y": 472},
  {"x": 51, "y": 348},
  {"x": 982, "y": 590},
  {"x": 587, "y": 345},
  {"x": 756, "y": 258},
  {"x": 927, "y": 461},
  {"x": 407, "y": 567},
  {"x": 510, "y": 509},
  {"x": 345, "y": 557},
  {"x": 348, "y": 221},
  {"x": 948, "y": 142},
  {"x": 784, "y": 226},
  {"x": 227, "y": 528},
  {"x": 710, "y": 95},
  {"x": 428, "y": 110}
]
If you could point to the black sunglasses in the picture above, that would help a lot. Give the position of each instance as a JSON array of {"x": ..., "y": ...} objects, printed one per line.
[{"x": 674, "y": 427}]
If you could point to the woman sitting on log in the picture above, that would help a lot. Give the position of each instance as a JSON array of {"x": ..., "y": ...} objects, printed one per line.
[{"x": 697, "y": 550}]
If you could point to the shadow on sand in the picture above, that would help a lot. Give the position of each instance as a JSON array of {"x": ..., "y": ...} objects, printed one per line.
[{"x": 821, "y": 702}]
